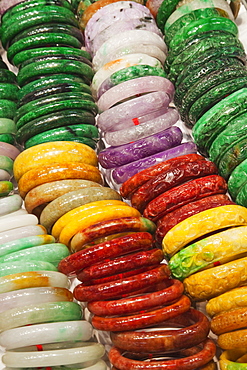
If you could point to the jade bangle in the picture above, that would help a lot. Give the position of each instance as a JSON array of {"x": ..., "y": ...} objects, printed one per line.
[
  {"x": 51, "y": 58},
  {"x": 7, "y": 126},
  {"x": 38, "y": 313},
  {"x": 42, "y": 40},
  {"x": 7, "y": 108},
  {"x": 21, "y": 232},
  {"x": 25, "y": 55},
  {"x": 229, "y": 360},
  {"x": 6, "y": 164},
  {"x": 6, "y": 187},
  {"x": 241, "y": 197},
  {"x": 4, "y": 175},
  {"x": 165, "y": 10},
  {"x": 9, "y": 91},
  {"x": 73, "y": 67},
  {"x": 7, "y": 76},
  {"x": 9, "y": 150},
  {"x": 24, "y": 266},
  {"x": 67, "y": 117},
  {"x": 232, "y": 158},
  {"x": 7, "y": 138},
  {"x": 237, "y": 179},
  {"x": 213, "y": 96}
]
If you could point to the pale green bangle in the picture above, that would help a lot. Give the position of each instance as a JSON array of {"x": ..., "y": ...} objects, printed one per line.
[
  {"x": 7, "y": 126},
  {"x": 15, "y": 267}
]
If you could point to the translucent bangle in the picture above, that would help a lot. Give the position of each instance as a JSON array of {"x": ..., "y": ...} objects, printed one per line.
[
  {"x": 14, "y": 267},
  {"x": 17, "y": 221},
  {"x": 82, "y": 352},
  {"x": 55, "y": 332},
  {"x": 31, "y": 279},
  {"x": 100, "y": 365},
  {"x": 10, "y": 204},
  {"x": 21, "y": 232}
]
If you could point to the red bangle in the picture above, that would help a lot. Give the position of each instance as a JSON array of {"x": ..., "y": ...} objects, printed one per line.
[
  {"x": 138, "y": 303},
  {"x": 76, "y": 262},
  {"x": 122, "y": 264},
  {"x": 144, "y": 319},
  {"x": 118, "y": 288},
  {"x": 194, "y": 361},
  {"x": 169, "y": 340}
]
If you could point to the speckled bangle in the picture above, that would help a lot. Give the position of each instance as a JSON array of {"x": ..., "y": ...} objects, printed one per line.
[
  {"x": 9, "y": 91},
  {"x": 7, "y": 108}
]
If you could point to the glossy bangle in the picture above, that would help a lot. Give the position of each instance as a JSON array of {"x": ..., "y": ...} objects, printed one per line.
[
  {"x": 9, "y": 91},
  {"x": 63, "y": 331},
  {"x": 226, "y": 322},
  {"x": 9, "y": 150},
  {"x": 17, "y": 221},
  {"x": 232, "y": 340},
  {"x": 125, "y": 61},
  {"x": 25, "y": 297},
  {"x": 133, "y": 87},
  {"x": 118, "y": 288},
  {"x": 7, "y": 138},
  {"x": 49, "y": 153},
  {"x": 47, "y": 192},
  {"x": 99, "y": 365},
  {"x": 6, "y": 187},
  {"x": 156, "y": 341},
  {"x": 86, "y": 257},
  {"x": 23, "y": 243},
  {"x": 144, "y": 127},
  {"x": 15, "y": 267},
  {"x": 7, "y": 76},
  {"x": 200, "y": 358},
  {"x": 7, "y": 108},
  {"x": 23, "y": 280},
  {"x": 54, "y": 172},
  {"x": 21, "y": 232},
  {"x": 7, "y": 126},
  {"x": 110, "y": 227},
  {"x": 203, "y": 223},
  {"x": 230, "y": 359}
]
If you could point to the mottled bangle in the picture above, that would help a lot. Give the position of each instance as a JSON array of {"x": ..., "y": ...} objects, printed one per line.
[
  {"x": 15, "y": 267},
  {"x": 232, "y": 359},
  {"x": 7, "y": 109}
]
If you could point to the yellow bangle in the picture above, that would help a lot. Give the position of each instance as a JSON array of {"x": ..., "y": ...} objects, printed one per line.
[
  {"x": 83, "y": 211},
  {"x": 226, "y": 322},
  {"x": 229, "y": 360},
  {"x": 210, "y": 283},
  {"x": 227, "y": 301},
  {"x": 201, "y": 224},
  {"x": 53, "y": 152},
  {"x": 101, "y": 214},
  {"x": 57, "y": 171},
  {"x": 233, "y": 340}
]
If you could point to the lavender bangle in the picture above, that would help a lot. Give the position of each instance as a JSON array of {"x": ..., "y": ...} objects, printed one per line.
[
  {"x": 145, "y": 129},
  {"x": 126, "y": 114},
  {"x": 118, "y": 156},
  {"x": 4, "y": 175},
  {"x": 21, "y": 232},
  {"x": 8, "y": 150},
  {"x": 123, "y": 173},
  {"x": 134, "y": 87}
]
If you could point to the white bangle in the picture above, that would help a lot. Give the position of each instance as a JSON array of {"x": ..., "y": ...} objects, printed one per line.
[
  {"x": 29, "y": 279},
  {"x": 10, "y": 204},
  {"x": 79, "y": 330},
  {"x": 100, "y": 365},
  {"x": 17, "y": 221},
  {"x": 87, "y": 352},
  {"x": 21, "y": 232},
  {"x": 17, "y": 213},
  {"x": 30, "y": 296}
]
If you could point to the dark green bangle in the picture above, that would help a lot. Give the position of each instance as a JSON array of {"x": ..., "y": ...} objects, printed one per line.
[
  {"x": 200, "y": 73},
  {"x": 26, "y": 55},
  {"x": 213, "y": 96},
  {"x": 74, "y": 133},
  {"x": 73, "y": 67},
  {"x": 7, "y": 76},
  {"x": 58, "y": 106},
  {"x": 42, "y": 40},
  {"x": 50, "y": 28},
  {"x": 57, "y": 15},
  {"x": 7, "y": 138},
  {"x": 66, "y": 118},
  {"x": 206, "y": 84},
  {"x": 3, "y": 65},
  {"x": 7, "y": 108},
  {"x": 51, "y": 58},
  {"x": 9, "y": 91},
  {"x": 29, "y": 4},
  {"x": 203, "y": 25},
  {"x": 34, "y": 104},
  {"x": 228, "y": 137},
  {"x": 241, "y": 198},
  {"x": 216, "y": 119},
  {"x": 237, "y": 179},
  {"x": 187, "y": 19},
  {"x": 166, "y": 8}
]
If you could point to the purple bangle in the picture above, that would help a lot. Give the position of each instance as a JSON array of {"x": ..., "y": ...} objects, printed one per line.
[
  {"x": 123, "y": 173},
  {"x": 126, "y": 114},
  {"x": 9, "y": 150},
  {"x": 123, "y": 154},
  {"x": 134, "y": 87},
  {"x": 149, "y": 127}
]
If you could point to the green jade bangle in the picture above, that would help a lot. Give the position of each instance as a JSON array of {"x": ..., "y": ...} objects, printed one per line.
[
  {"x": 212, "y": 97},
  {"x": 37, "y": 103},
  {"x": 237, "y": 179},
  {"x": 25, "y": 55},
  {"x": 186, "y": 19},
  {"x": 6, "y": 187},
  {"x": 85, "y": 134},
  {"x": 7, "y": 77},
  {"x": 217, "y": 118},
  {"x": 236, "y": 154},
  {"x": 6, "y": 164},
  {"x": 7, "y": 108},
  {"x": 203, "y": 25},
  {"x": 66, "y": 118},
  {"x": 207, "y": 83},
  {"x": 7, "y": 126},
  {"x": 7, "y": 138},
  {"x": 42, "y": 40},
  {"x": 51, "y": 58},
  {"x": 9, "y": 91},
  {"x": 241, "y": 198},
  {"x": 29, "y": 18},
  {"x": 57, "y": 106},
  {"x": 35, "y": 70},
  {"x": 166, "y": 8},
  {"x": 16, "y": 267}
]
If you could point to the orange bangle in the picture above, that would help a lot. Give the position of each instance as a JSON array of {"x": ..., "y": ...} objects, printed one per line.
[
  {"x": 228, "y": 321},
  {"x": 233, "y": 340}
]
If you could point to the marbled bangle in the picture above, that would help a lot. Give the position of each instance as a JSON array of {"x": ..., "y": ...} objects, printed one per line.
[
  {"x": 132, "y": 88},
  {"x": 144, "y": 129},
  {"x": 126, "y": 114},
  {"x": 21, "y": 232},
  {"x": 33, "y": 279}
]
